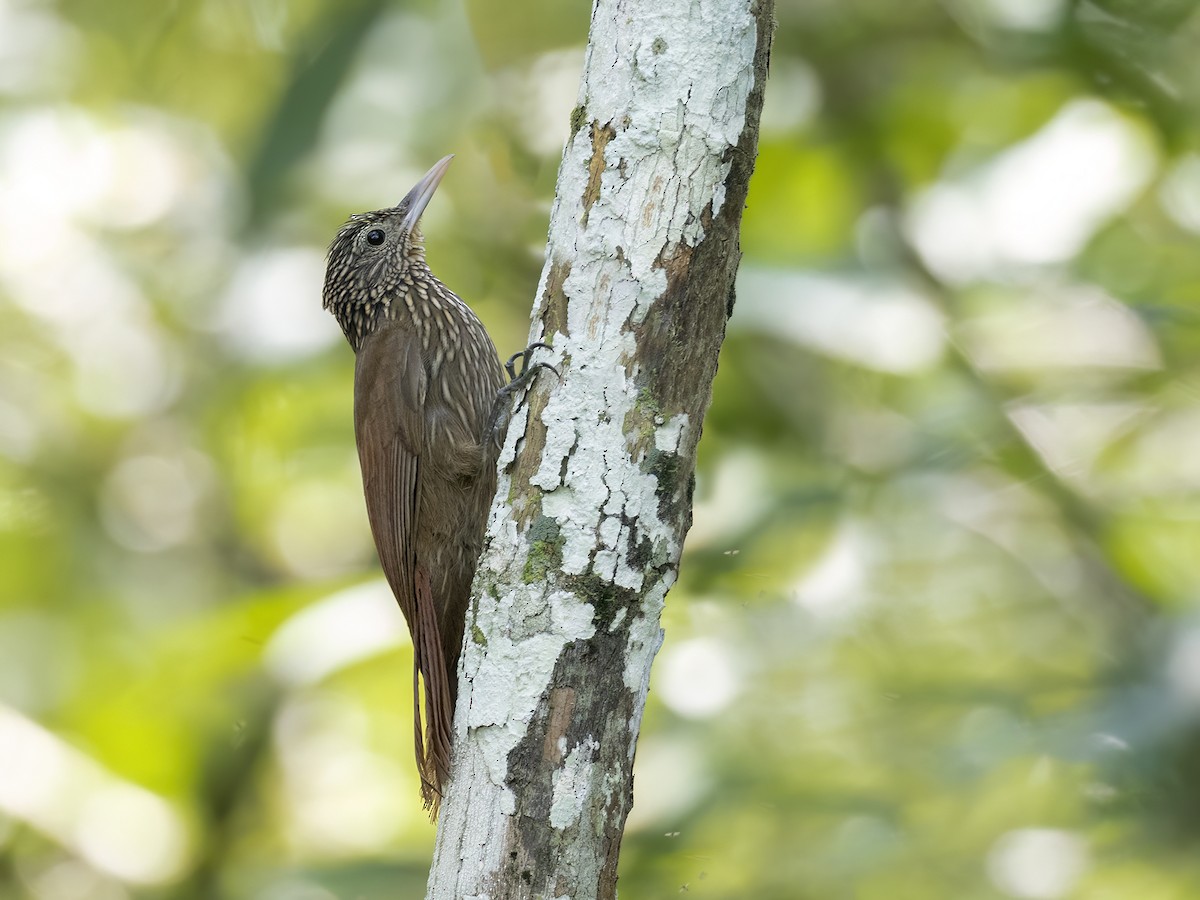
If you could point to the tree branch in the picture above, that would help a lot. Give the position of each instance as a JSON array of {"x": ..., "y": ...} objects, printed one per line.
[{"x": 596, "y": 475}]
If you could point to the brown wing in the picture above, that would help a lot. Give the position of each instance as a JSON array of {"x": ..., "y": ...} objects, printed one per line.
[
  {"x": 389, "y": 395},
  {"x": 389, "y": 388}
]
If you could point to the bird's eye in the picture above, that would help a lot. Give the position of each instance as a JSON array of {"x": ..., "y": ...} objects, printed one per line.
[{"x": 375, "y": 236}]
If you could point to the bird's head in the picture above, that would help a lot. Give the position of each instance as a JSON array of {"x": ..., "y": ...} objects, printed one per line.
[{"x": 373, "y": 255}]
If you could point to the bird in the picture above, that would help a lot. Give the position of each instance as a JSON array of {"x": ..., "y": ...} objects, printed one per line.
[{"x": 430, "y": 402}]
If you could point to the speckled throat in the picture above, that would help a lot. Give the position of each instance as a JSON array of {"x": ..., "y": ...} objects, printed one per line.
[{"x": 362, "y": 293}]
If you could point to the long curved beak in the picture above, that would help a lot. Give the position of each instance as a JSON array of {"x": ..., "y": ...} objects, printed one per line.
[{"x": 422, "y": 192}]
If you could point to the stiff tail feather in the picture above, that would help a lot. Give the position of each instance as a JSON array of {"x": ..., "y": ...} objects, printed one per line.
[{"x": 435, "y": 740}]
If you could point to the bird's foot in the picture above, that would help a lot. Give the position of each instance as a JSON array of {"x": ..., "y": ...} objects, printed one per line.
[{"x": 517, "y": 381}]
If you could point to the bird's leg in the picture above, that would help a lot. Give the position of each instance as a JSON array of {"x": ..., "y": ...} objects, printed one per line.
[{"x": 498, "y": 420}]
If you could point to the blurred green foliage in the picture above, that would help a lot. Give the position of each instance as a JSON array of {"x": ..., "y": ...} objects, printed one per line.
[{"x": 935, "y": 633}]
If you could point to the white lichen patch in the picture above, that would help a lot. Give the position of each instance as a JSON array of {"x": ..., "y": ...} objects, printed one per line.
[
  {"x": 668, "y": 437},
  {"x": 508, "y": 679},
  {"x": 645, "y": 637},
  {"x": 572, "y": 784},
  {"x": 691, "y": 76}
]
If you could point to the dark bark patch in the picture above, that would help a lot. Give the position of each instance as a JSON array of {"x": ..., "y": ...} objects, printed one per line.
[
  {"x": 665, "y": 467},
  {"x": 527, "y": 503},
  {"x": 554, "y": 300},
  {"x": 562, "y": 705},
  {"x": 678, "y": 339},
  {"x": 639, "y": 550},
  {"x": 601, "y": 135},
  {"x": 606, "y": 598},
  {"x": 569, "y": 715}
]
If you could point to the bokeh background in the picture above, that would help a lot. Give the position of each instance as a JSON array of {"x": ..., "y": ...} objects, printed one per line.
[{"x": 936, "y": 633}]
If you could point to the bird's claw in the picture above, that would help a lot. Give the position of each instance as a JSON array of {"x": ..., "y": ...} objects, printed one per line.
[{"x": 524, "y": 356}]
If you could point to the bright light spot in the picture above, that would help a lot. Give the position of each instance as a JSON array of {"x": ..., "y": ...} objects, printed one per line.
[
  {"x": 124, "y": 370},
  {"x": 697, "y": 678},
  {"x": 132, "y": 834},
  {"x": 1157, "y": 465},
  {"x": 879, "y": 325},
  {"x": 1071, "y": 328},
  {"x": 58, "y": 170},
  {"x": 149, "y": 502},
  {"x": 836, "y": 583},
  {"x": 272, "y": 311},
  {"x": 1023, "y": 15},
  {"x": 343, "y": 629},
  {"x": 319, "y": 529},
  {"x": 1039, "y": 202},
  {"x": 61, "y": 165},
  {"x": 141, "y": 177},
  {"x": 36, "y": 766},
  {"x": 88, "y": 293},
  {"x": 729, "y": 500},
  {"x": 671, "y": 777},
  {"x": 347, "y": 800},
  {"x": 540, "y": 99},
  {"x": 344, "y": 798},
  {"x": 359, "y": 164},
  {"x": 38, "y": 50},
  {"x": 1180, "y": 193},
  {"x": 793, "y": 97},
  {"x": 1012, "y": 515},
  {"x": 49, "y": 170},
  {"x": 377, "y": 89},
  {"x": 1071, "y": 436},
  {"x": 1037, "y": 863},
  {"x": 370, "y": 170},
  {"x": 115, "y": 826}
]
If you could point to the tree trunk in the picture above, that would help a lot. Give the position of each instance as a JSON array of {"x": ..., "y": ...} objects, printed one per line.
[{"x": 596, "y": 474}]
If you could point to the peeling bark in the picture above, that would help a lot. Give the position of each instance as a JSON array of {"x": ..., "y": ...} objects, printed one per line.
[{"x": 596, "y": 475}]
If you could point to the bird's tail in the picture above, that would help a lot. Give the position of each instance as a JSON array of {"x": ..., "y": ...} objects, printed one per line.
[{"x": 435, "y": 739}]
